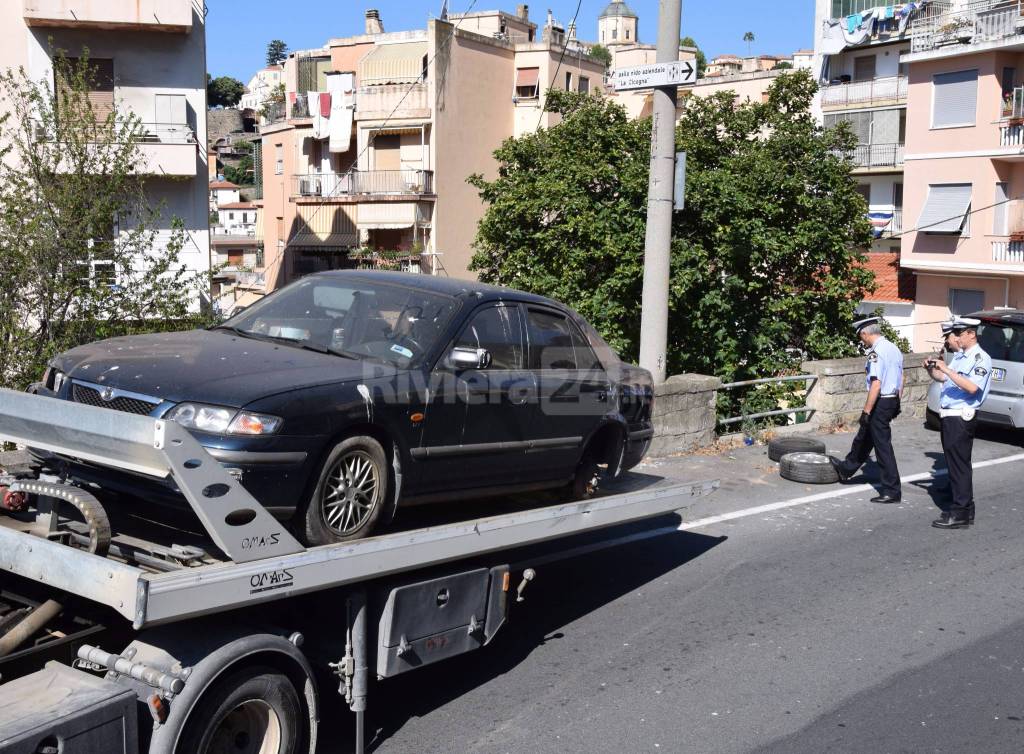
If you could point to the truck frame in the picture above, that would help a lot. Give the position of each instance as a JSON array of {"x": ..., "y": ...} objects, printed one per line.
[{"x": 227, "y": 614}]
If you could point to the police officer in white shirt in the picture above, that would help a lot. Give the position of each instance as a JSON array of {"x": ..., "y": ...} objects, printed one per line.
[
  {"x": 884, "y": 377},
  {"x": 965, "y": 385}
]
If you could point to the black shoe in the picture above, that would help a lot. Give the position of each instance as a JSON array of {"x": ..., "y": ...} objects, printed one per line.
[
  {"x": 886, "y": 499},
  {"x": 948, "y": 522},
  {"x": 842, "y": 473}
]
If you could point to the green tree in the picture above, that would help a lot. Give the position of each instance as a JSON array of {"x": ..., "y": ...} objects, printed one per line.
[
  {"x": 277, "y": 52},
  {"x": 782, "y": 65},
  {"x": 765, "y": 260},
  {"x": 749, "y": 39},
  {"x": 80, "y": 255},
  {"x": 702, "y": 60},
  {"x": 223, "y": 91},
  {"x": 242, "y": 173},
  {"x": 602, "y": 53}
]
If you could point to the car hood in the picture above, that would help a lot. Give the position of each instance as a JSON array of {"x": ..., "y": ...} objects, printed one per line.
[{"x": 210, "y": 366}]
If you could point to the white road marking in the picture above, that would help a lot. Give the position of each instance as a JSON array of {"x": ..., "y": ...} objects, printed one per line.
[{"x": 841, "y": 492}]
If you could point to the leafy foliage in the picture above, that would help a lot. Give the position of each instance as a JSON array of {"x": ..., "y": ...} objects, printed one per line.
[
  {"x": 602, "y": 53},
  {"x": 702, "y": 59},
  {"x": 765, "y": 269},
  {"x": 80, "y": 255},
  {"x": 277, "y": 52},
  {"x": 223, "y": 91},
  {"x": 889, "y": 332},
  {"x": 782, "y": 65}
]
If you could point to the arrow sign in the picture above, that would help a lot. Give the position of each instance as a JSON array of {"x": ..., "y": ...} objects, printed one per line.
[{"x": 653, "y": 75}]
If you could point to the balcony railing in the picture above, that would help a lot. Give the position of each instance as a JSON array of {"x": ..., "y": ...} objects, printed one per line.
[
  {"x": 355, "y": 183},
  {"x": 1011, "y": 136},
  {"x": 877, "y": 155},
  {"x": 874, "y": 92},
  {"x": 393, "y": 101},
  {"x": 1008, "y": 251},
  {"x": 980, "y": 22},
  {"x": 155, "y": 15}
]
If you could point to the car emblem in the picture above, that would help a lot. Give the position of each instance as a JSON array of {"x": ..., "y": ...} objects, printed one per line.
[{"x": 107, "y": 394}]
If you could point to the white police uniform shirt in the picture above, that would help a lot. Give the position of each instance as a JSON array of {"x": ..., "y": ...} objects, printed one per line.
[
  {"x": 885, "y": 364},
  {"x": 975, "y": 365}
]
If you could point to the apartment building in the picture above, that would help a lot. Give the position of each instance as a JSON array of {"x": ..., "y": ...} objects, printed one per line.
[
  {"x": 151, "y": 58},
  {"x": 260, "y": 87},
  {"x": 379, "y": 132},
  {"x": 964, "y": 169}
]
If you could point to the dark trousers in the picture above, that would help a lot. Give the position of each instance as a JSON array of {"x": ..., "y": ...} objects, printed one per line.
[
  {"x": 957, "y": 444},
  {"x": 877, "y": 436}
]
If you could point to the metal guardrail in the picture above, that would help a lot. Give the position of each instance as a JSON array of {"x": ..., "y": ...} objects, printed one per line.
[
  {"x": 979, "y": 22},
  {"x": 809, "y": 379},
  {"x": 874, "y": 91},
  {"x": 412, "y": 182}
]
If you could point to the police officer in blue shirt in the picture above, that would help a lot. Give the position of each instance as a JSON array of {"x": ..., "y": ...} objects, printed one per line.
[
  {"x": 965, "y": 385},
  {"x": 884, "y": 378}
]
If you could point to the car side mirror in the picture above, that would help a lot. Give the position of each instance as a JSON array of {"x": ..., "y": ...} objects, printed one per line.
[{"x": 470, "y": 358}]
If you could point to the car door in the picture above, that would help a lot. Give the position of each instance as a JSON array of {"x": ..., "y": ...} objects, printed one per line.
[
  {"x": 475, "y": 425},
  {"x": 572, "y": 391}
]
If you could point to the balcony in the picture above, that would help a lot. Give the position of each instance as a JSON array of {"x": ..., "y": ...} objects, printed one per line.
[
  {"x": 393, "y": 101},
  {"x": 985, "y": 21},
  {"x": 877, "y": 156},
  {"x": 354, "y": 184},
  {"x": 890, "y": 90},
  {"x": 1008, "y": 251},
  {"x": 886, "y": 223},
  {"x": 173, "y": 16},
  {"x": 168, "y": 149}
]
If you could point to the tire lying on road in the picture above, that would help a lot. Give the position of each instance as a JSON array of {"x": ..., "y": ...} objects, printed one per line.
[
  {"x": 811, "y": 468},
  {"x": 780, "y": 446}
]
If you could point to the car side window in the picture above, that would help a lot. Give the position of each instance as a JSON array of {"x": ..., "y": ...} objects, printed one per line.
[
  {"x": 551, "y": 344},
  {"x": 586, "y": 359},
  {"x": 499, "y": 330}
]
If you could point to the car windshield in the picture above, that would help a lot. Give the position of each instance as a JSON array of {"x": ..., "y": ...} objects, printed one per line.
[
  {"x": 1003, "y": 341},
  {"x": 351, "y": 317}
]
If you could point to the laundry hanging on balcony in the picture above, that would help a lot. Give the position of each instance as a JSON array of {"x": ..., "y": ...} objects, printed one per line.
[
  {"x": 880, "y": 221},
  {"x": 320, "y": 111},
  {"x": 341, "y": 89},
  {"x": 858, "y": 28}
]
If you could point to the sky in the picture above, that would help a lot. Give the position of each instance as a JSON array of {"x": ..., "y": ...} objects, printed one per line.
[{"x": 237, "y": 32}]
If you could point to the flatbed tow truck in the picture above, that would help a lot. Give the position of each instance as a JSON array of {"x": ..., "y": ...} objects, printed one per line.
[{"x": 222, "y": 642}]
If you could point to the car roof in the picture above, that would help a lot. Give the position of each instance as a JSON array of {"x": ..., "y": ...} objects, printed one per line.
[
  {"x": 443, "y": 285},
  {"x": 1014, "y": 316}
]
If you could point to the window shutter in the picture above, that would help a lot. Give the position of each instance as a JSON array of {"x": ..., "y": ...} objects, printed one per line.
[
  {"x": 945, "y": 209},
  {"x": 1001, "y": 210},
  {"x": 954, "y": 98}
]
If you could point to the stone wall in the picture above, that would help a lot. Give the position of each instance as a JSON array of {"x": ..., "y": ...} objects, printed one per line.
[
  {"x": 222, "y": 122},
  {"x": 838, "y": 395},
  {"x": 684, "y": 413}
]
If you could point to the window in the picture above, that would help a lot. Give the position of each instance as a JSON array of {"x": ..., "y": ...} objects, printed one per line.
[
  {"x": 568, "y": 81},
  {"x": 897, "y": 195},
  {"x": 965, "y": 301},
  {"x": 584, "y": 85},
  {"x": 1002, "y": 341},
  {"x": 864, "y": 68},
  {"x": 615, "y": 33},
  {"x": 843, "y": 8},
  {"x": 1000, "y": 223},
  {"x": 585, "y": 356},
  {"x": 627, "y": 33},
  {"x": 279, "y": 159},
  {"x": 946, "y": 209},
  {"x": 954, "y": 99},
  {"x": 499, "y": 330},
  {"x": 101, "y": 96},
  {"x": 550, "y": 341},
  {"x": 527, "y": 83},
  {"x": 864, "y": 190},
  {"x": 231, "y": 215},
  {"x": 1008, "y": 77}
]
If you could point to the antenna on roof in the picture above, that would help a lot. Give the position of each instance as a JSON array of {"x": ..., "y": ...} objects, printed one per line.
[{"x": 444, "y": 10}]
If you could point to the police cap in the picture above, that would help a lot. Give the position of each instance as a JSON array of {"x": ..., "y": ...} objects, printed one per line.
[{"x": 862, "y": 323}]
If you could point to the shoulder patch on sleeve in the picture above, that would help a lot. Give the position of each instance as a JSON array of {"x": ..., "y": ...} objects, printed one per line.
[{"x": 980, "y": 371}]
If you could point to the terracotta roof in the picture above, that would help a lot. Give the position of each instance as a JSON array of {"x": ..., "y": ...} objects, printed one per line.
[
  {"x": 893, "y": 284},
  {"x": 237, "y": 205},
  {"x": 222, "y": 185}
]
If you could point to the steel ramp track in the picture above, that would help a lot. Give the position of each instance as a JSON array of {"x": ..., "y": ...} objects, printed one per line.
[
  {"x": 151, "y": 598},
  {"x": 237, "y": 523}
]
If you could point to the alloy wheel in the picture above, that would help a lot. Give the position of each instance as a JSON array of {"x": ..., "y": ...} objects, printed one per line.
[{"x": 351, "y": 492}]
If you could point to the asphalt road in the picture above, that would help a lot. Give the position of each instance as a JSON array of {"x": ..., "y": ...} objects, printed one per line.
[{"x": 826, "y": 623}]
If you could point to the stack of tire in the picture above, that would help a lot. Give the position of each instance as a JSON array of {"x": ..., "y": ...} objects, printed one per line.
[{"x": 802, "y": 459}]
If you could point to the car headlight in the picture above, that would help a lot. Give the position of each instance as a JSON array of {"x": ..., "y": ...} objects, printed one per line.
[
  {"x": 58, "y": 380},
  {"x": 222, "y": 421}
]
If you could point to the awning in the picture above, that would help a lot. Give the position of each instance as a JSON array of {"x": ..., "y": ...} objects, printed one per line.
[
  {"x": 391, "y": 216},
  {"x": 945, "y": 209},
  {"x": 393, "y": 64},
  {"x": 323, "y": 225},
  {"x": 527, "y": 76}
]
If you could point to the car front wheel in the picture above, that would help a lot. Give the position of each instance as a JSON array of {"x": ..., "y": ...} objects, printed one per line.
[{"x": 350, "y": 494}]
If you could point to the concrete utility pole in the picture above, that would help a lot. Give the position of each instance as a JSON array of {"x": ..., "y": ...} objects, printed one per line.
[{"x": 658, "y": 239}]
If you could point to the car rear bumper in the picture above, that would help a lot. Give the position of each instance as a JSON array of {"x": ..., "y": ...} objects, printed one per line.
[
  {"x": 638, "y": 442},
  {"x": 1001, "y": 408}
]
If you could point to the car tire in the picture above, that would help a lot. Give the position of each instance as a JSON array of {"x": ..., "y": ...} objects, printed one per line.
[
  {"x": 350, "y": 495},
  {"x": 932, "y": 420},
  {"x": 255, "y": 704},
  {"x": 808, "y": 468},
  {"x": 586, "y": 480},
  {"x": 780, "y": 446}
]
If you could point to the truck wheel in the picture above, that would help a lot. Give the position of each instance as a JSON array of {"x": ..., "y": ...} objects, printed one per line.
[
  {"x": 932, "y": 420},
  {"x": 253, "y": 711},
  {"x": 350, "y": 495},
  {"x": 795, "y": 444}
]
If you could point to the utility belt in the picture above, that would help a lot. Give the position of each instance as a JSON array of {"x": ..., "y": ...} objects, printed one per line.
[
  {"x": 894, "y": 395},
  {"x": 965, "y": 412}
]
